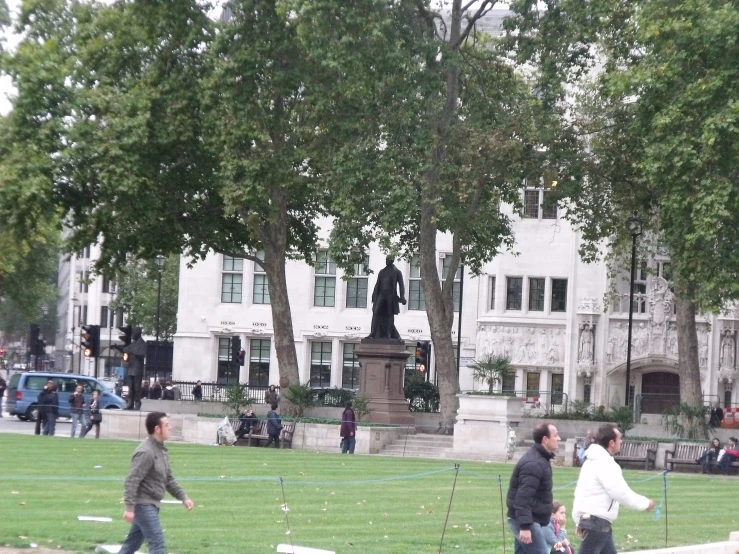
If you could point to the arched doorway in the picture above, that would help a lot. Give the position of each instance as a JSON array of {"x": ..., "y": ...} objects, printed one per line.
[{"x": 659, "y": 391}]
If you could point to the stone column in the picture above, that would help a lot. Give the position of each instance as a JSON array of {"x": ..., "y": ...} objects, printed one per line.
[{"x": 381, "y": 374}]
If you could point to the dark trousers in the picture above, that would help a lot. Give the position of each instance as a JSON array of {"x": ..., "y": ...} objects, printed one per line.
[
  {"x": 725, "y": 463},
  {"x": 597, "y": 536},
  {"x": 705, "y": 460},
  {"x": 40, "y": 422},
  {"x": 275, "y": 438},
  {"x": 134, "y": 392},
  {"x": 145, "y": 527}
]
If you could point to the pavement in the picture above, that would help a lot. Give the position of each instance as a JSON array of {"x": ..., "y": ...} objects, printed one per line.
[{"x": 11, "y": 424}]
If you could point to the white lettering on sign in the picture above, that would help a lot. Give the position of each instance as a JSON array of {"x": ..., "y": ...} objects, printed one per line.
[
  {"x": 415, "y": 331},
  {"x": 350, "y": 328}
]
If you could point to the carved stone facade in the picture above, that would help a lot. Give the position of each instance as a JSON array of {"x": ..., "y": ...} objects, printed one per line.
[{"x": 531, "y": 346}]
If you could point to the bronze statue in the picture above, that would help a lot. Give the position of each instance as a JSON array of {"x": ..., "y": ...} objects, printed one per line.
[
  {"x": 386, "y": 301},
  {"x": 135, "y": 368}
]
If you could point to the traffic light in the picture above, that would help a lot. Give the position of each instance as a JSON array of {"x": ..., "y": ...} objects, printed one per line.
[
  {"x": 236, "y": 350},
  {"x": 33, "y": 338},
  {"x": 40, "y": 347},
  {"x": 2, "y": 352},
  {"x": 423, "y": 355},
  {"x": 90, "y": 340}
]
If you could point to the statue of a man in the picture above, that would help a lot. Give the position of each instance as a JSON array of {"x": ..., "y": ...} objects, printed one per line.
[
  {"x": 386, "y": 300},
  {"x": 135, "y": 368}
]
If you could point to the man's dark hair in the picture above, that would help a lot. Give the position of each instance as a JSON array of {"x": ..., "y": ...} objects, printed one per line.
[
  {"x": 273, "y": 406},
  {"x": 606, "y": 434},
  {"x": 154, "y": 419},
  {"x": 541, "y": 431},
  {"x": 349, "y": 404}
]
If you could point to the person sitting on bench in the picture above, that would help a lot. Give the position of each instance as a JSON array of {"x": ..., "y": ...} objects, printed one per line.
[{"x": 248, "y": 422}]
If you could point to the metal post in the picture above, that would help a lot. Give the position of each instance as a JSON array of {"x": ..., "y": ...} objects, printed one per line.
[
  {"x": 631, "y": 318},
  {"x": 160, "y": 263}
]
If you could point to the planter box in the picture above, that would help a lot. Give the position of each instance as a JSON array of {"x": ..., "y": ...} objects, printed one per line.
[{"x": 483, "y": 423}]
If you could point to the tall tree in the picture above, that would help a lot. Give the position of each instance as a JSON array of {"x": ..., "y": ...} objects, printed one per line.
[
  {"x": 662, "y": 125},
  {"x": 446, "y": 135}
]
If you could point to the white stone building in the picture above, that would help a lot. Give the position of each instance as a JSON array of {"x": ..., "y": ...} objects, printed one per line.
[{"x": 540, "y": 305}]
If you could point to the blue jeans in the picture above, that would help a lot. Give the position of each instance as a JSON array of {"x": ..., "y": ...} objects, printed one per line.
[
  {"x": 347, "y": 444},
  {"x": 49, "y": 426},
  {"x": 145, "y": 526},
  {"x": 78, "y": 418},
  {"x": 537, "y": 546},
  {"x": 598, "y": 537}
]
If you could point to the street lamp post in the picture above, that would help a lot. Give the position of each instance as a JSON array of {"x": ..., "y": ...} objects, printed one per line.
[
  {"x": 160, "y": 265},
  {"x": 635, "y": 228}
]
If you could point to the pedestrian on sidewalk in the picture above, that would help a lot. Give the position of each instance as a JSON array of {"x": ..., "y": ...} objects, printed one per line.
[
  {"x": 96, "y": 416},
  {"x": 51, "y": 410}
]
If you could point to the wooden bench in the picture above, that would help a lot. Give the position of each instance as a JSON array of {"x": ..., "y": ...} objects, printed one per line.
[
  {"x": 687, "y": 454},
  {"x": 638, "y": 451},
  {"x": 259, "y": 432}
]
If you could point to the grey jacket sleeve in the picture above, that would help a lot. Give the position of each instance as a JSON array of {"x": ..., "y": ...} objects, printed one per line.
[{"x": 141, "y": 464}]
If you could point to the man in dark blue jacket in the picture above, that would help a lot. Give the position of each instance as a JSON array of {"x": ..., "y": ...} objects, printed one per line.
[
  {"x": 274, "y": 426},
  {"x": 530, "y": 492}
]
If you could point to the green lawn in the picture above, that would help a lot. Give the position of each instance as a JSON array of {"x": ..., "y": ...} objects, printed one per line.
[{"x": 354, "y": 504}]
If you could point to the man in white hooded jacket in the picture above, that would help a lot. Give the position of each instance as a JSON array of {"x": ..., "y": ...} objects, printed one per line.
[{"x": 600, "y": 490}]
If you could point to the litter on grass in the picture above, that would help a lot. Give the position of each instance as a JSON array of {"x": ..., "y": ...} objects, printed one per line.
[
  {"x": 290, "y": 549},
  {"x": 95, "y": 518},
  {"x": 111, "y": 548}
]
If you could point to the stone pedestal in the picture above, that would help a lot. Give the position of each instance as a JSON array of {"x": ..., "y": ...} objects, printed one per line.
[
  {"x": 483, "y": 424},
  {"x": 382, "y": 369}
]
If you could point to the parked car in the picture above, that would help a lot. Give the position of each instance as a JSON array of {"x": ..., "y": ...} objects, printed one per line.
[{"x": 24, "y": 388}]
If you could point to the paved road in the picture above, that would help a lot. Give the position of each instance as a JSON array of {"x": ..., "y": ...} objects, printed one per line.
[{"x": 11, "y": 424}]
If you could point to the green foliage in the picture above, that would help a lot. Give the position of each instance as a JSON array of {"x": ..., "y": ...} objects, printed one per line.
[
  {"x": 422, "y": 396},
  {"x": 686, "y": 421},
  {"x": 622, "y": 416},
  {"x": 300, "y": 396},
  {"x": 237, "y": 397},
  {"x": 361, "y": 406},
  {"x": 491, "y": 369},
  {"x": 335, "y": 397},
  {"x": 137, "y": 295}
]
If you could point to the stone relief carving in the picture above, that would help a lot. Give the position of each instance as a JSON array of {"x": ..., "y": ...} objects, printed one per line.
[
  {"x": 588, "y": 305},
  {"x": 542, "y": 346}
]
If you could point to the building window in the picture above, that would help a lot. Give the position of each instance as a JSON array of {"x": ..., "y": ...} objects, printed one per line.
[
  {"x": 259, "y": 362},
  {"x": 261, "y": 288},
  {"x": 559, "y": 295},
  {"x": 456, "y": 286},
  {"x": 106, "y": 317},
  {"x": 320, "y": 364},
  {"x": 640, "y": 288},
  {"x": 532, "y": 385},
  {"x": 325, "y": 286},
  {"x": 509, "y": 382},
  {"x": 548, "y": 211},
  {"x": 535, "y": 205},
  {"x": 558, "y": 387},
  {"x": 231, "y": 288},
  {"x": 514, "y": 292},
  {"x": 356, "y": 287},
  {"x": 491, "y": 280},
  {"x": 82, "y": 279},
  {"x": 350, "y": 368},
  {"x": 536, "y": 294},
  {"x": 228, "y": 371},
  {"x": 416, "y": 299},
  {"x": 586, "y": 393},
  {"x": 83, "y": 315},
  {"x": 232, "y": 280},
  {"x": 531, "y": 204},
  {"x": 119, "y": 317}
]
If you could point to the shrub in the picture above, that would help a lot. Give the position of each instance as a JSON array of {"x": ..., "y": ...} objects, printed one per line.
[
  {"x": 236, "y": 398},
  {"x": 300, "y": 397},
  {"x": 422, "y": 396},
  {"x": 491, "y": 369},
  {"x": 361, "y": 406},
  {"x": 335, "y": 397},
  {"x": 686, "y": 421}
]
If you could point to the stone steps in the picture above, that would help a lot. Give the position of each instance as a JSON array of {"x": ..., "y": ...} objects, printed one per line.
[{"x": 420, "y": 446}]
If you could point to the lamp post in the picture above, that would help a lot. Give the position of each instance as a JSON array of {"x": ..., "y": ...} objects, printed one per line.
[
  {"x": 635, "y": 228},
  {"x": 160, "y": 265}
]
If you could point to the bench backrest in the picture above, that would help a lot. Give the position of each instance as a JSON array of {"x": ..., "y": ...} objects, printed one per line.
[
  {"x": 637, "y": 449},
  {"x": 688, "y": 451}
]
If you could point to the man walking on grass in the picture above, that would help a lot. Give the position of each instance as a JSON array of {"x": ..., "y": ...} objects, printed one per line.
[
  {"x": 150, "y": 476},
  {"x": 600, "y": 489},
  {"x": 530, "y": 492}
]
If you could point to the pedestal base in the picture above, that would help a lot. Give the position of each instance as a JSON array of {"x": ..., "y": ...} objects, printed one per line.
[{"x": 381, "y": 374}]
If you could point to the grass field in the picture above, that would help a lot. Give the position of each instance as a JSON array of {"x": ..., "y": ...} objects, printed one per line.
[{"x": 344, "y": 503}]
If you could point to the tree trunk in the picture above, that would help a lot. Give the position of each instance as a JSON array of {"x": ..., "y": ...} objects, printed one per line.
[
  {"x": 687, "y": 346},
  {"x": 440, "y": 313},
  {"x": 274, "y": 242}
]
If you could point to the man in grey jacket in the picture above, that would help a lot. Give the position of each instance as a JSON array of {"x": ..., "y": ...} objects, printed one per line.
[{"x": 150, "y": 476}]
